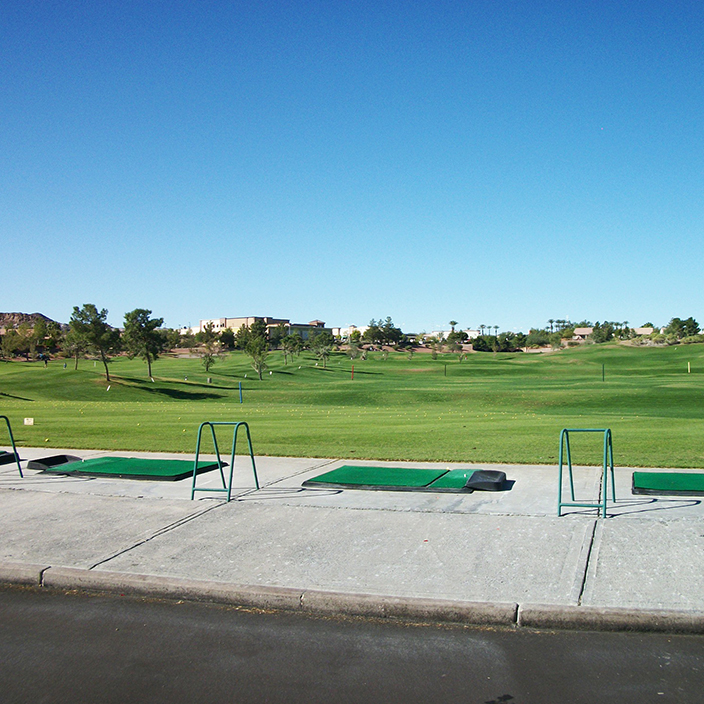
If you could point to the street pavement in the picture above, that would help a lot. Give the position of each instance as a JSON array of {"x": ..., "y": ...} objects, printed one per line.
[
  {"x": 102, "y": 649},
  {"x": 486, "y": 557}
]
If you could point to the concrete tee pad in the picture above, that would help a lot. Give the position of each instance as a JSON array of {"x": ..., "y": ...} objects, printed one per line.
[
  {"x": 479, "y": 558},
  {"x": 79, "y": 531},
  {"x": 647, "y": 564}
]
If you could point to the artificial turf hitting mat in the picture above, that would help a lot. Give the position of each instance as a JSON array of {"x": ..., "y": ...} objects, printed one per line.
[
  {"x": 677, "y": 483},
  {"x": 133, "y": 468},
  {"x": 410, "y": 479}
]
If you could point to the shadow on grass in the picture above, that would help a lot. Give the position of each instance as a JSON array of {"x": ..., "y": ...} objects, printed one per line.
[
  {"x": 183, "y": 395},
  {"x": 18, "y": 398},
  {"x": 148, "y": 385}
]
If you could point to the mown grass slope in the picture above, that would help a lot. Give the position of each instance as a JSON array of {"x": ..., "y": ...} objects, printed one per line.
[{"x": 489, "y": 408}]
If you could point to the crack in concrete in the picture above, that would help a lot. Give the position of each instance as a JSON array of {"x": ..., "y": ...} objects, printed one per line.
[
  {"x": 583, "y": 564},
  {"x": 166, "y": 529}
]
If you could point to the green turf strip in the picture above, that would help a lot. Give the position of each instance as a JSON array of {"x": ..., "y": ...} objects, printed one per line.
[
  {"x": 133, "y": 468},
  {"x": 686, "y": 483},
  {"x": 361, "y": 477},
  {"x": 454, "y": 479}
]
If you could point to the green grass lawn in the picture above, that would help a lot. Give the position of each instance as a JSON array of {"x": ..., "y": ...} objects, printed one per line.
[{"x": 489, "y": 408}]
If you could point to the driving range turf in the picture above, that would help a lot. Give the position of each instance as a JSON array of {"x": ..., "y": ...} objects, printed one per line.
[{"x": 506, "y": 407}]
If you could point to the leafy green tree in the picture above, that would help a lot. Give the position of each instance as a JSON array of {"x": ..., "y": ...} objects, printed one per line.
[
  {"x": 602, "y": 332},
  {"x": 484, "y": 343},
  {"x": 288, "y": 345},
  {"x": 352, "y": 349},
  {"x": 90, "y": 327},
  {"x": 383, "y": 332},
  {"x": 259, "y": 329},
  {"x": 355, "y": 336},
  {"x": 207, "y": 335},
  {"x": 210, "y": 348},
  {"x": 390, "y": 333},
  {"x": 171, "y": 338},
  {"x": 26, "y": 343},
  {"x": 454, "y": 346},
  {"x": 54, "y": 336},
  {"x": 142, "y": 338},
  {"x": 74, "y": 346},
  {"x": 682, "y": 328},
  {"x": 242, "y": 337},
  {"x": 257, "y": 350},
  {"x": 10, "y": 342},
  {"x": 277, "y": 335},
  {"x": 373, "y": 333},
  {"x": 227, "y": 338},
  {"x": 188, "y": 340},
  {"x": 38, "y": 335},
  {"x": 321, "y": 345},
  {"x": 296, "y": 343},
  {"x": 556, "y": 340},
  {"x": 538, "y": 338},
  {"x": 457, "y": 337}
]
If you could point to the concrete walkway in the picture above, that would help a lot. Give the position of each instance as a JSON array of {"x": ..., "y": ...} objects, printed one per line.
[{"x": 502, "y": 558}]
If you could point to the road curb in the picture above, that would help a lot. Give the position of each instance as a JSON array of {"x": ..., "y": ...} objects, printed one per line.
[
  {"x": 24, "y": 573},
  {"x": 537, "y": 616},
  {"x": 596, "y": 618},
  {"x": 415, "y": 609},
  {"x": 171, "y": 588}
]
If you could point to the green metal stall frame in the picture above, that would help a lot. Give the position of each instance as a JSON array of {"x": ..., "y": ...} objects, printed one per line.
[
  {"x": 14, "y": 447},
  {"x": 608, "y": 464},
  {"x": 226, "y": 486}
]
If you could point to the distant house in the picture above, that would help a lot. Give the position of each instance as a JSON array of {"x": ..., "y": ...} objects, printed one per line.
[
  {"x": 643, "y": 331},
  {"x": 582, "y": 333}
]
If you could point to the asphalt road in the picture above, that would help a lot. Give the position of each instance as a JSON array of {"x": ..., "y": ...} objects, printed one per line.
[{"x": 75, "y": 648}]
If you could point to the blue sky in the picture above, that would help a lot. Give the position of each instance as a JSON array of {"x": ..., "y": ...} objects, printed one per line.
[{"x": 497, "y": 163}]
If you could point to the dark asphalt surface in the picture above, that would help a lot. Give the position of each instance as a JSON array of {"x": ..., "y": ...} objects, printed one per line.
[{"x": 76, "y": 648}]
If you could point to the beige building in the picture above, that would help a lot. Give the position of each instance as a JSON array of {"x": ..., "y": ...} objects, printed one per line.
[{"x": 234, "y": 324}]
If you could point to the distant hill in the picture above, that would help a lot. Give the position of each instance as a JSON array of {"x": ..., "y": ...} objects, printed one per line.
[{"x": 8, "y": 319}]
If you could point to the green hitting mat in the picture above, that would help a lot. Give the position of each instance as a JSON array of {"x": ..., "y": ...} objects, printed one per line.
[
  {"x": 678, "y": 483},
  {"x": 409, "y": 479},
  {"x": 133, "y": 468}
]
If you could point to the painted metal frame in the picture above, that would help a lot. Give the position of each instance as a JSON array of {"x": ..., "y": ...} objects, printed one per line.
[
  {"x": 608, "y": 463},
  {"x": 226, "y": 486},
  {"x": 14, "y": 447}
]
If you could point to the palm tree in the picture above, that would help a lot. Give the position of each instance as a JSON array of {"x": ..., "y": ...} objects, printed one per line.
[
  {"x": 481, "y": 327},
  {"x": 452, "y": 325},
  {"x": 551, "y": 321},
  {"x": 496, "y": 329}
]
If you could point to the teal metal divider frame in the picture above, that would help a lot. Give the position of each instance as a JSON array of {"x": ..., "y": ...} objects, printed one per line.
[
  {"x": 14, "y": 448},
  {"x": 608, "y": 463},
  {"x": 226, "y": 487}
]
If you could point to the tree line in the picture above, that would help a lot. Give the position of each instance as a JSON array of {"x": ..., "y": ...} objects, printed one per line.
[
  {"x": 88, "y": 333},
  {"x": 143, "y": 336}
]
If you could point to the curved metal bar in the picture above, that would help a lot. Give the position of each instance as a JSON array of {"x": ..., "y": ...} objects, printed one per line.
[
  {"x": 14, "y": 447},
  {"x": 608, "y": 463},
  {"x": 227, "y": 486}
]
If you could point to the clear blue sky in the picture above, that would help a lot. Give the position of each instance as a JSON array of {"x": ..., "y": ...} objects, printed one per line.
[{"x": 494, "y": 162}]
